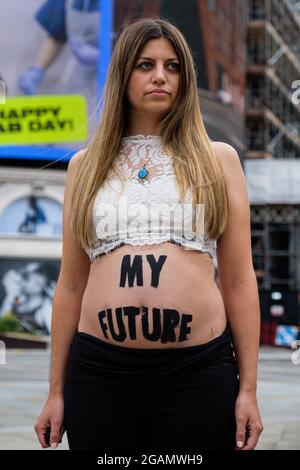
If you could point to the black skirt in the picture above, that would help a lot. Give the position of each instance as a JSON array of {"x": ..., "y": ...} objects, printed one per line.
[{"x": 140, "y": 399}]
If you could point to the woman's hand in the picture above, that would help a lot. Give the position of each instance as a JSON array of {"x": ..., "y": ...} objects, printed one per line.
[
  {"x": 52, "y": 416},
  {"x": 248, "y": 421}
]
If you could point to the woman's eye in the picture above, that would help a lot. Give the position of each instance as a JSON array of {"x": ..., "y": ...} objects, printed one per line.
[
  {"x": 171, "y": 63},
  {"x": 143, "y": 63},
  {"x": 176, "y": 65}
]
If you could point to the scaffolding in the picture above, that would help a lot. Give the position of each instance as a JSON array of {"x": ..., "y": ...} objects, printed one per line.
[
  {"x": 273, "y": 132},
  {"x": 276, "y": 246},
  {"x": 273, "y": 58}
]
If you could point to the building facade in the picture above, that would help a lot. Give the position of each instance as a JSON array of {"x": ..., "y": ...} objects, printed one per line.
[{"x": 272, "y": 160}]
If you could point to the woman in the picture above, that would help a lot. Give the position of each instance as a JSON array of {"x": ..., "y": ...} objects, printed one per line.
[{"x": 151, "y": 363}]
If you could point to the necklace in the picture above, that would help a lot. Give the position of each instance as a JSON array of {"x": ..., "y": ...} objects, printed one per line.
[{"x": 143, "y": 172}]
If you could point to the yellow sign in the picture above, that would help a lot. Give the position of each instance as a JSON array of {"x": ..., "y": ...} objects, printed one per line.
[{"x": 43, "y": 120}]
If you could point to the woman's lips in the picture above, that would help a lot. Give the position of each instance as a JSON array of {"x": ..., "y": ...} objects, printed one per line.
[{"x": 159, "y": 93}]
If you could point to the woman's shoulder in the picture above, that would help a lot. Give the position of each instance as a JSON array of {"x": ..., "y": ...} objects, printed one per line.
[
  {"x": 228, "y": 156},
  {"x": 225, "y": 151},
  {"x": 231, "y": 164},
  {"x": 77, "y": 157}
]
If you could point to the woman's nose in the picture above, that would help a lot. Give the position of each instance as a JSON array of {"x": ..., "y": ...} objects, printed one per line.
[{"x": 159, "y": 73}]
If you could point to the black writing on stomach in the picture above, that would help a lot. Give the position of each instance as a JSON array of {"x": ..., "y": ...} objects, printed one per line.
[
  {"x": 133, "y": 271},
  {"x": 184, "y": 303},
  {"x": 165, "y": 324}
]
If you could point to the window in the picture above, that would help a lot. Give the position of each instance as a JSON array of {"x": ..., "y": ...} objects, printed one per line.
[{"x": 212, "y": 5}]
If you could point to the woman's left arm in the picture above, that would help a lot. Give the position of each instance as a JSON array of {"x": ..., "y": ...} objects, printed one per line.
[{"x": 239, "y": 290}]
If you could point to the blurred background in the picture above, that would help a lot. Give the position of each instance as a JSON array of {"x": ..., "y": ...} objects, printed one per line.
[{"x": 54, "y": 56}]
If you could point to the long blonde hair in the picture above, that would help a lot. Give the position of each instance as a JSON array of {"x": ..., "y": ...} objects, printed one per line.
[{"x": 183, "y": 134}]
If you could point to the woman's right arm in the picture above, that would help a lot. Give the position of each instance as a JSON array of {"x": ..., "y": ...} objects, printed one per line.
[{"x": 66, "y": 308}]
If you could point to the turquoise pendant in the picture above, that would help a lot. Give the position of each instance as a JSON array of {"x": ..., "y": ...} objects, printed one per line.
[{"x": 143, "y": 173}]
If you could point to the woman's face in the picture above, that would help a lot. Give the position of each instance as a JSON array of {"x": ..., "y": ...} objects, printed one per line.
[{"x": 157, "y": 66}]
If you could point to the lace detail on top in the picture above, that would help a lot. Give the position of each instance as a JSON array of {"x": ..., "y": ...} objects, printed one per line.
[
  {"x": 139, "y": 150},
  {"x": 121, "y": 218}
]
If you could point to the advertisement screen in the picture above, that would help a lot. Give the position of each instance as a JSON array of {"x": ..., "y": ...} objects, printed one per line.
[{"x": 49, "y": 78}]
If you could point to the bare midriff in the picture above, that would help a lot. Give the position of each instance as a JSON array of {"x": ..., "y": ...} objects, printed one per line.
[{"x": 153, "y": 296}]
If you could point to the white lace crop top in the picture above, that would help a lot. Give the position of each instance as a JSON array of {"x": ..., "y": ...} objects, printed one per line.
[{"x": 148, "y": 211}]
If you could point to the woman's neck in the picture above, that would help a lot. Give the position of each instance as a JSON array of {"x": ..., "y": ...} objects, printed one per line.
[{"x": 141, "y": 128}]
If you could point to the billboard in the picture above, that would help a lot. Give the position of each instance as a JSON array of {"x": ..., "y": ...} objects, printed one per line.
[{"x": 50, "y": 78}]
